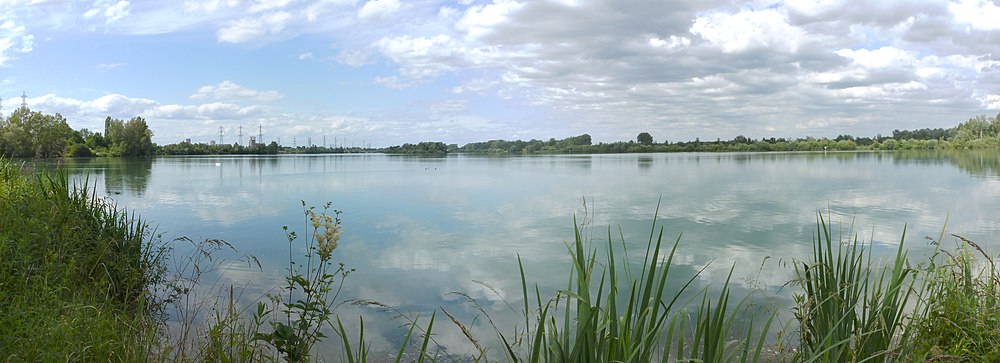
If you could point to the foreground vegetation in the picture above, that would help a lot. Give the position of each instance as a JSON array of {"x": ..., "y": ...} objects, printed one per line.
[
  {"x": 84, "y": 281},
  {"x": 74, "y": 273}
]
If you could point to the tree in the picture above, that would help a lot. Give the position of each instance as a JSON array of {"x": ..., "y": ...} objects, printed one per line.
[
  {"x": 644, "y": 138},
  {"x": 132, "y": 138},
  {"x": 26, "y": 133}
]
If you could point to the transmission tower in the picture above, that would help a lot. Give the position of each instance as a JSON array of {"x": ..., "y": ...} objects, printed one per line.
[
  {"x": 220, "y": 135},
  {"x": 239, "y": 134},
  {"x": 1, "y": 108},
  {"x": 309, "y": 141},
  {"x": 260, "y": 133},
  {"x": 24, "y": 100},
  {"x": 324, "y": 141}
]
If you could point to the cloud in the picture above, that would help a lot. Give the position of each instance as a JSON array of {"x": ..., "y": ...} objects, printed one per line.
[
  {"x": 104, "y": 67},
  {"x": 978, "y": 14},
  {"x": 253, "y": 28},
  {"x": 208, "y": 6},
  {"x": 111, "y": 10},
  {"x": 684, "y": 68},
  {"x": 378, "y": 9},
  {"x": 423, "y": 57},
  {"x": 229, "y": 90},
  {"x": 353, "y": 58},
  {"x": 991, "y": 102},
  {"x": 693, "y": 68},
  {"x": 747, "y": 30},
  {"x": 14, "y": 38}
]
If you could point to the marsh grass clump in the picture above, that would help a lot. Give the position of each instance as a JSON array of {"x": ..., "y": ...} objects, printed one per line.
[
  {"x": 74, "y": 272},
  {"x": 850, "y": 307},
  {"x": 961, "y": 322}
]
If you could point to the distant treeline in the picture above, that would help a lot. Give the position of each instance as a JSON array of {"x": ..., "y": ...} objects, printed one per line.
[
  {"x": 979, "y": 132},
  {"x": 27, "y": 133},
  {"x": 423, "y": 148},
  {"x": 187, "y": 148}
]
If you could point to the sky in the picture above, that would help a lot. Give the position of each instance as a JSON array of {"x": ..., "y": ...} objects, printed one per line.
[{"x": 387, "y": 72}]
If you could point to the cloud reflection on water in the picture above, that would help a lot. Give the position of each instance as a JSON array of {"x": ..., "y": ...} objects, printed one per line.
[{"x": 418, "y": 229}]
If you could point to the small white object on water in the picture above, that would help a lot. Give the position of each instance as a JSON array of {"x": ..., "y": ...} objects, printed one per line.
[{"x": 218, "y": 164}]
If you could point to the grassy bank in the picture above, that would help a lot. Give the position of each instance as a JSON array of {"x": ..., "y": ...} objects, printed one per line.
[
  {"x": 74, "y": 273},
  {"x": 80, "y": 281}
]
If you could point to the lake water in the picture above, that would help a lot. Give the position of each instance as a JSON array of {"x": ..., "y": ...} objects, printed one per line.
[{"x": 417, "y": 229}]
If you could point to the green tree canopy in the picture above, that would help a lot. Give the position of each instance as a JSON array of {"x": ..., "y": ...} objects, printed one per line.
[
  {"x": 132, "y": 138},
  {"x": 33, "y": 134},
  {"x": 644, "y": 138}
]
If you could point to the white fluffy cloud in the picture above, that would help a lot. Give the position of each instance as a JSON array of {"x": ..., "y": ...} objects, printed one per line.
[
  {"x": 423, "y": 57},
  {"x": 378, "y": 9},
  {"x": 229, "y": 90},
  {"x": 978, "y": 14},
  {"x": 746, "y": 30}
]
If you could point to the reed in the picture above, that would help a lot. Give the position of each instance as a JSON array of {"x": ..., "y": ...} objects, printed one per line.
[
  {"x": 850, "y": 308},
  {"x": 610, "y": 313}
]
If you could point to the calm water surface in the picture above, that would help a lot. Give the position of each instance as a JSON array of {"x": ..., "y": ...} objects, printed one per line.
[{"x": 418, "y": 229}]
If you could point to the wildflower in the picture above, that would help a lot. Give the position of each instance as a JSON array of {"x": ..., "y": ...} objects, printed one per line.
[
  {"x": 327, "y": 241},
  {"x": 315, "y": 220}
]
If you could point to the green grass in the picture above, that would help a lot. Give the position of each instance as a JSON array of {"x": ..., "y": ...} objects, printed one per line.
[
  {"x": 73, "y": 273},
  {"x": 962, "y": 320}
]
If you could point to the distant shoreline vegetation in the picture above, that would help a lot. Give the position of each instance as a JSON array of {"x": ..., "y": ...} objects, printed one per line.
[
  {"x": 27, "y": 133},
  {"x": 980, "y": 132}
]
